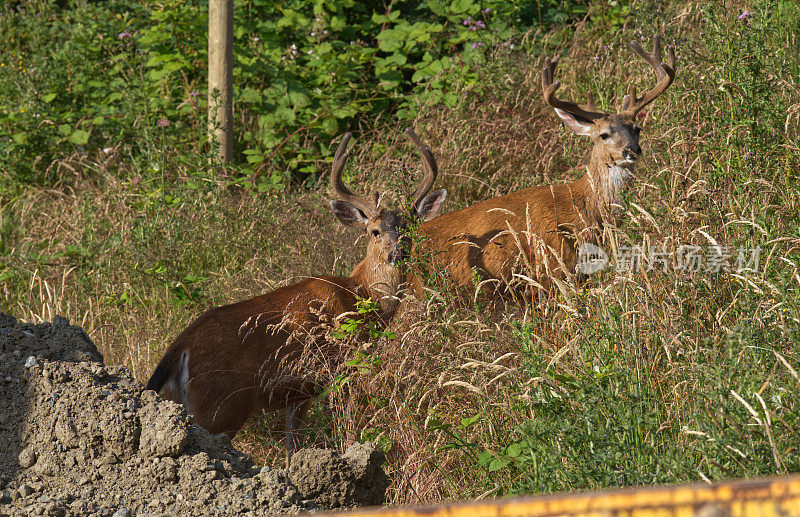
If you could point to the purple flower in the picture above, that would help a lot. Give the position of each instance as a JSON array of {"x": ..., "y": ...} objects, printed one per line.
[
  {"x": 480, "y": 24},
  {"x": 477, "y": 44},
  {"x": 194, "y": 94},
  {"x": 123, "y": 35},
  {"x": 487, "y": 10},
  {"x": 467, "y": 21},
  {"x": 163, "y": 122},
  {"x": 745, "y": 15}
]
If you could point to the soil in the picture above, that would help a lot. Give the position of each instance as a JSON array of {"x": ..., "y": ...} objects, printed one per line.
[{"x": 78, "y": 437}]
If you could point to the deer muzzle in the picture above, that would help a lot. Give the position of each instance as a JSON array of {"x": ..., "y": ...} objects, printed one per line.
[
  {"x": 398, "y": 253},
  {"x": 632, "y": 152}
]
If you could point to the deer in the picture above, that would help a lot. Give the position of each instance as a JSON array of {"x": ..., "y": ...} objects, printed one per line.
[
  {"x": 259, "y": 354},
  {"x": 535, "y": 233}
]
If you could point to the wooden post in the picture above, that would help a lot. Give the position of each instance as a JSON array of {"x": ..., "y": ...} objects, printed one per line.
[{"x": 220, "y": 76}]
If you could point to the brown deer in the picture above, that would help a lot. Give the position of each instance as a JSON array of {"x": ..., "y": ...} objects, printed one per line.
[
  {"x": 260, "y": 354},
  {"x": 536, "y": 232}
]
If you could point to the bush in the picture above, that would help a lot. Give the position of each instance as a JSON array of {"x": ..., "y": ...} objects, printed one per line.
[{"x": 97, "y": 76}]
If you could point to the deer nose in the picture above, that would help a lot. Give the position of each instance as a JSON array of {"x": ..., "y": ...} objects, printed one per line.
[
  {"x": 632, "y": 152},
  {"x": 398, "y": 252},
  {"x": 395, "y": 256}
]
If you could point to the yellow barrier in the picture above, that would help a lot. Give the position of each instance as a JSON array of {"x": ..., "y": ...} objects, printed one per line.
[{"x": 766, "y": 497}]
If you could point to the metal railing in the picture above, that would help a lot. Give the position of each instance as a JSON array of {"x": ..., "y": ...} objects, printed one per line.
[{"x": 765, "y": 497}]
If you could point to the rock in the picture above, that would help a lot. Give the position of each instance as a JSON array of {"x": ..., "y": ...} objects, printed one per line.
[
  {"x": 7, "y": 320},
  {"x": 123, "y": 512},
  {"x": 165, "y": 429},
  {"x": 27, "y": 458},
  {"x": 57, "y": 511},
  {"x": 355, "y": 478},
  {"x": 88, "y": 440},
  {"x": 66, "y": 433},
  {"x": 366, "y": 464}
]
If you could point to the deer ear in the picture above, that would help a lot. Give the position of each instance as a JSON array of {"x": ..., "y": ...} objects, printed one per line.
[
  {"x": 431, "y": 204},
  {"x": 348, "y": 214},
  {"x": 580, "y": 125}
]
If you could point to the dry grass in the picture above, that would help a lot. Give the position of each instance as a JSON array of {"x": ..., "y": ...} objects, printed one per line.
[{"x": 115, "y": 255}]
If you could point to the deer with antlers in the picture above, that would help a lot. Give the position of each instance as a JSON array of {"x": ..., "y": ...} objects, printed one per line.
[
  {"x": 535, "y": 233},
  {"x": 261, "y": 353}
]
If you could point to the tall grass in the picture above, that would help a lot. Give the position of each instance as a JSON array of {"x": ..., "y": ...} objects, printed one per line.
[{"x": 623, "y": 378}]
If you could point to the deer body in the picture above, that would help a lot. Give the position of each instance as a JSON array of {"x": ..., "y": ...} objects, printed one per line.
[
  {"x": 536, "y": 231},
  {"x": 237, "y": 359},
  {"x": 497, "y": 240},
  {"x": 266, "y": 353}
]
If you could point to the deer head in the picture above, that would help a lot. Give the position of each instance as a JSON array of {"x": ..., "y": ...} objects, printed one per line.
[
  {"x": 615, "y": 136},
  {"x": 386, "y": 229}
]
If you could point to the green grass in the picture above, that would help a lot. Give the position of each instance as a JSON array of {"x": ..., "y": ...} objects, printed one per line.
[{"x": 627, "y": 378}]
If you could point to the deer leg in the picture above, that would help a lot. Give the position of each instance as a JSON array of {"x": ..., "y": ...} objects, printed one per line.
[{"x": 295, "y": 420}]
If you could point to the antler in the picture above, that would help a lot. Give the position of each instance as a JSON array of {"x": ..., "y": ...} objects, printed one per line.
[
  {"x": 665, "y": 74},
  {"x": 549, "y": 88},
  {"x": 431, "y": 169},
  {"x": 370, "y": 209}
]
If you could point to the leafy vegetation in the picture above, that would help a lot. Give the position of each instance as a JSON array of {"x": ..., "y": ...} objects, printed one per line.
[
  {"x": 111, "y": 215},
  {"x": 305, "y": 70}
]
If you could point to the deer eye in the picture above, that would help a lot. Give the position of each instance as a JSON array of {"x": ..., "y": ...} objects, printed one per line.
[
  {"x": 605, "y": 136},
  {"x": 375, "y": 233}
]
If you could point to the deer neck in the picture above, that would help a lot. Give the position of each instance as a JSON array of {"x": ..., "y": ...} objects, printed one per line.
[
  {"x": 380, "y": 281},
  {"x": 607, "y": 179}
]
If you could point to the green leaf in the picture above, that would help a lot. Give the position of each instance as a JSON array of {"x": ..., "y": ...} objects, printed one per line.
[
  {"x": 463, "y": 6},
  {"x": 498, "y": 463},
  {"x": 298, "y": 97},
  {"x": 484, "y": 458},
  {"x": 250, "y": 96},
  {"x": 437, "y": 7},
  {"x": 391, "y": 40},
  {"x": 338, "y": 23},
  {"x": 466, "y": 422},
  {"x": 330, "y": 126},
  {"x": 515, "y": 449},
  {"x": 79, "y": 137},
  {"x": 48, "y": 97},
  {"x": 390, "y": 79}
]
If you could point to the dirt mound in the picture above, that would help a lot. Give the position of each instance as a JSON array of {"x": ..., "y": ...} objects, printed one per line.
[{"x": 78, "y": 437}]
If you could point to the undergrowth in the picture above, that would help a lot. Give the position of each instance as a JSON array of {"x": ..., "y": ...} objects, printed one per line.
[{"x": 628, "y": 377}]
